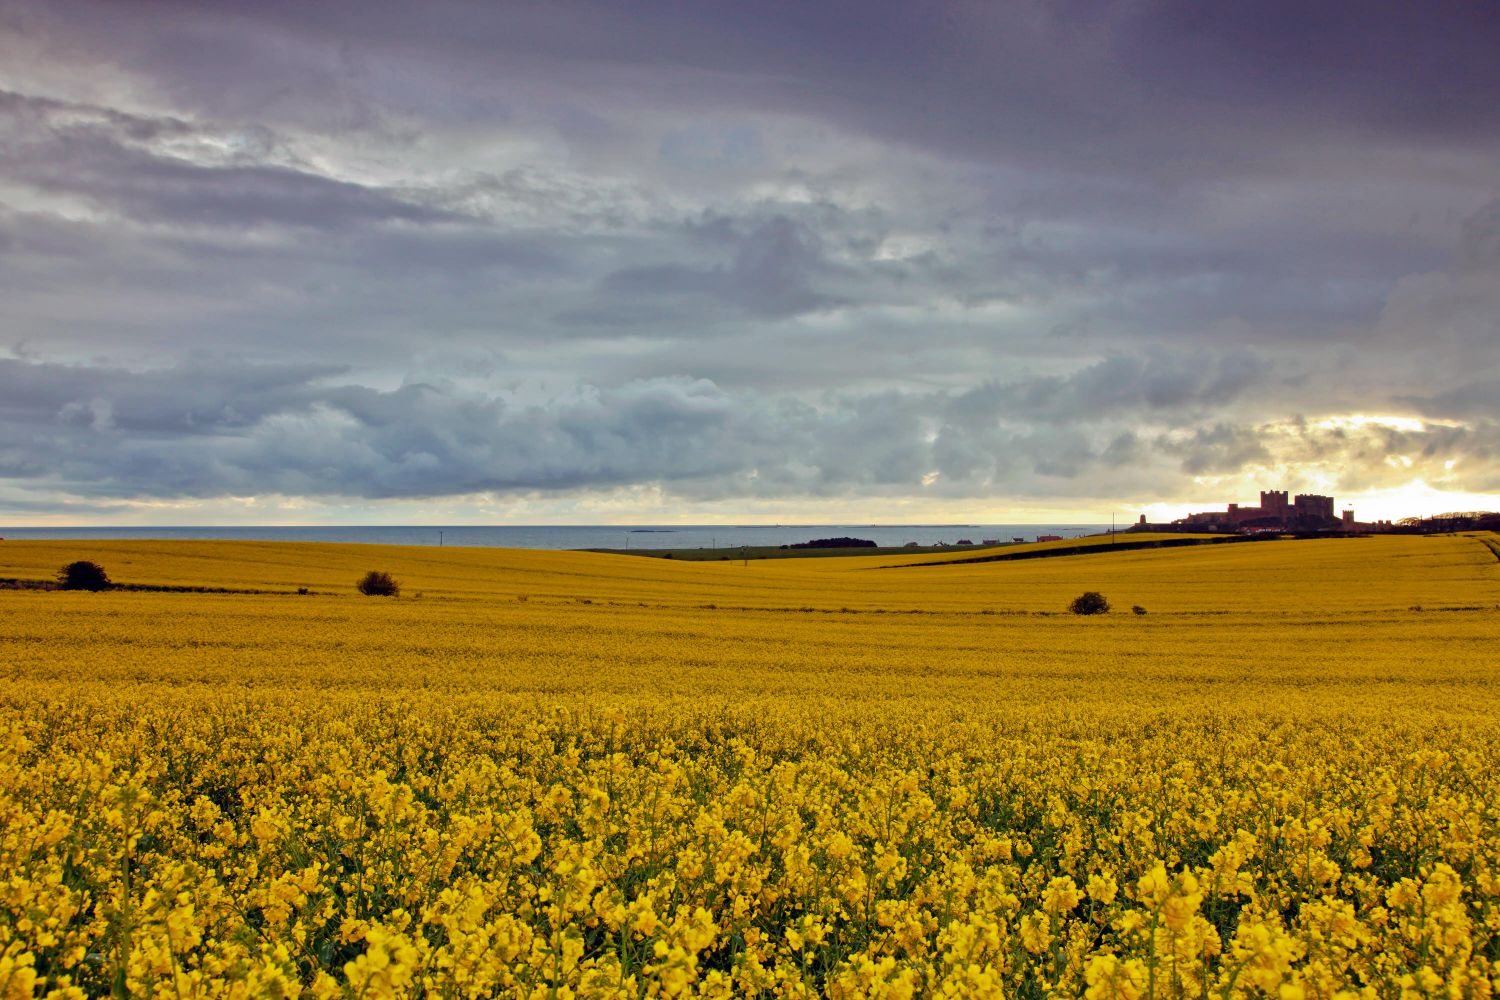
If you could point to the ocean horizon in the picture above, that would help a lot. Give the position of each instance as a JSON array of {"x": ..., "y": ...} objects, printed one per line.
[{"x": 576, "y": 536}]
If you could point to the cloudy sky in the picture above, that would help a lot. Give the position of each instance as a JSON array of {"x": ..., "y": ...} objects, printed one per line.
[{"x": 645, "y": 261}]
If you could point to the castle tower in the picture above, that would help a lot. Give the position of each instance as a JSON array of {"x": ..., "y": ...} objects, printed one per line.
[{"x": 1311, "y": 505}]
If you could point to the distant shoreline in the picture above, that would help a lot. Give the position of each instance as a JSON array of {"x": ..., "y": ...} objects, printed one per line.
[{"x": 589, "y": 536}]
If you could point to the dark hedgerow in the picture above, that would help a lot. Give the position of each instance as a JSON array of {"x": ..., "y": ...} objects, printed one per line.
[
  {"x": 1090, "y": 602},
  {"x": 378, "y": 584},
  {"x": 83, "y": 575}
]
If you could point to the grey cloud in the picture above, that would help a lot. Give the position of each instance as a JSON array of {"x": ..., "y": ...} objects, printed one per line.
[
  {"x": 1356, "y": 458},
  {"x": 1148, "y": 81},
  {"x": 1219, "y": 449},
  {"x": 204, "y": 431},
  {"x": 1479, "y": 246},
  {"x": 43, "y": 115},
  {"x": 1126, "y": 448},
  {"x": 207, "y": 430},
  {"x": 771, "y": 272},
  {"x": 1467, "y": 400},
  {"x": 88, "y": 159},
  {"x": 1446, "y": 322},
  {"x": 1118, "y": 387},
  {"x": 1140, "y": 280},
  {"x": 53, "y": 506},
  {"x": 107, "y": 432},
  {"x": 1377, "y": 457},
  {"x": 875, "y": 439},
  {"x": 190, "y": 399},
  {"x": 1423, "y": 70},
  {"x": 1040, "y": 249}
]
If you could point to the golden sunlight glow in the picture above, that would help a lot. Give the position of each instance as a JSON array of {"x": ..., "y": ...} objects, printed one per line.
[
  {"x": 1360, "y": 421},
  {"x": 1415, "y": 499}
]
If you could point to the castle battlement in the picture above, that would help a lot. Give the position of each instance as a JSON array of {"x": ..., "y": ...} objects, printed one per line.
[{"x": 1303, "y": 512}]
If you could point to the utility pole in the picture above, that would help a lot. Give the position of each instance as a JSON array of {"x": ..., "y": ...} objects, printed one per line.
[
  {"x": 1111, "y": 527},
  {"x": 440, "y": 539}
]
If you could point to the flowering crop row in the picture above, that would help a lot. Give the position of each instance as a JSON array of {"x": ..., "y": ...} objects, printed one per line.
[{"x": 470, "y": 795}]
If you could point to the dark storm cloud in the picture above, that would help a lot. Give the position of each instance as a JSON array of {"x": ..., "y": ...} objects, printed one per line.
[
  {"x": 1414, "y": 69},
  {"x": 1119, "y": 388},
  {"x": 770, "y": 273},
  {"x": 1219, "y": 449},
  {"x": 1033, "y": 249},
  {"x": 161, "y": 190},
  {"x": 71, "y": 149},
  {"x": 203, "y": 430},
  {"x": 1068, "y": 78},
  {"x": 1468, "y": 400},
  {"x": 187, "y": 400},
  {"x": 1479, "y": 249}
]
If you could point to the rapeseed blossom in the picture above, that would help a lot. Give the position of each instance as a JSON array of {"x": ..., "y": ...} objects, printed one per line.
[{"x": 467, "y": 795}]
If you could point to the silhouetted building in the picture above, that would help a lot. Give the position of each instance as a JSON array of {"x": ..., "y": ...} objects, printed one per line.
[
  {"x": 1304, "y": 512},
  {"x": 1314, "y": 507}
]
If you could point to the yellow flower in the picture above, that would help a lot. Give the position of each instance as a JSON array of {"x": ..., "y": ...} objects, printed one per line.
[{"x": 1109, "y": 978}]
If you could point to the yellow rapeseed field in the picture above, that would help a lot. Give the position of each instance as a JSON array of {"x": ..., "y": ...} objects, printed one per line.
[{"x": 547, "y": 774}]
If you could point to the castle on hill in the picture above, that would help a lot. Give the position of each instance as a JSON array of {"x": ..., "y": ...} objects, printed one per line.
[
  {"x": 1276, "y": 512},
  {"x": 1304, "y": 512}
]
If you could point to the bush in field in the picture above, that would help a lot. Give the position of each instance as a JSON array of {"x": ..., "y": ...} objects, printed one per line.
[
  {"x": 83, "y": 575},
  {"x": 1090, "y": 602},
  {"x": 378, "y": 584}
]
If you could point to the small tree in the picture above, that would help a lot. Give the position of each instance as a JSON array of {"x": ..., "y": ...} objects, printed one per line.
[
  {"x": 83, "y": 575},
  {"x": 378, "y": 584},
  {"x": 1090, "y": 602}
]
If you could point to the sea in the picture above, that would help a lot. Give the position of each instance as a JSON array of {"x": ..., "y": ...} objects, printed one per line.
[{"x": 577, "y": 536}]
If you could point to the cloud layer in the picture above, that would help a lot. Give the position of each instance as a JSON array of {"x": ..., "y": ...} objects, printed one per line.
[{"x": 1047, "y": 255}]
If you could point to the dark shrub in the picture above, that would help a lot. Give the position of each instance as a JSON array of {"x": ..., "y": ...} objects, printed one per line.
[
  {"x": 1090, "y": 602},
  {"x": 378, "y": 584},
  {"x": 1137, "y": 609},
  {"x": 842, "y": 542},
  {"x": 83, "y": 575}
]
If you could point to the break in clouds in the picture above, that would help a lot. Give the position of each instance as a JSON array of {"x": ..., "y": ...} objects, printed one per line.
[{"x": 966, "y": 257}]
